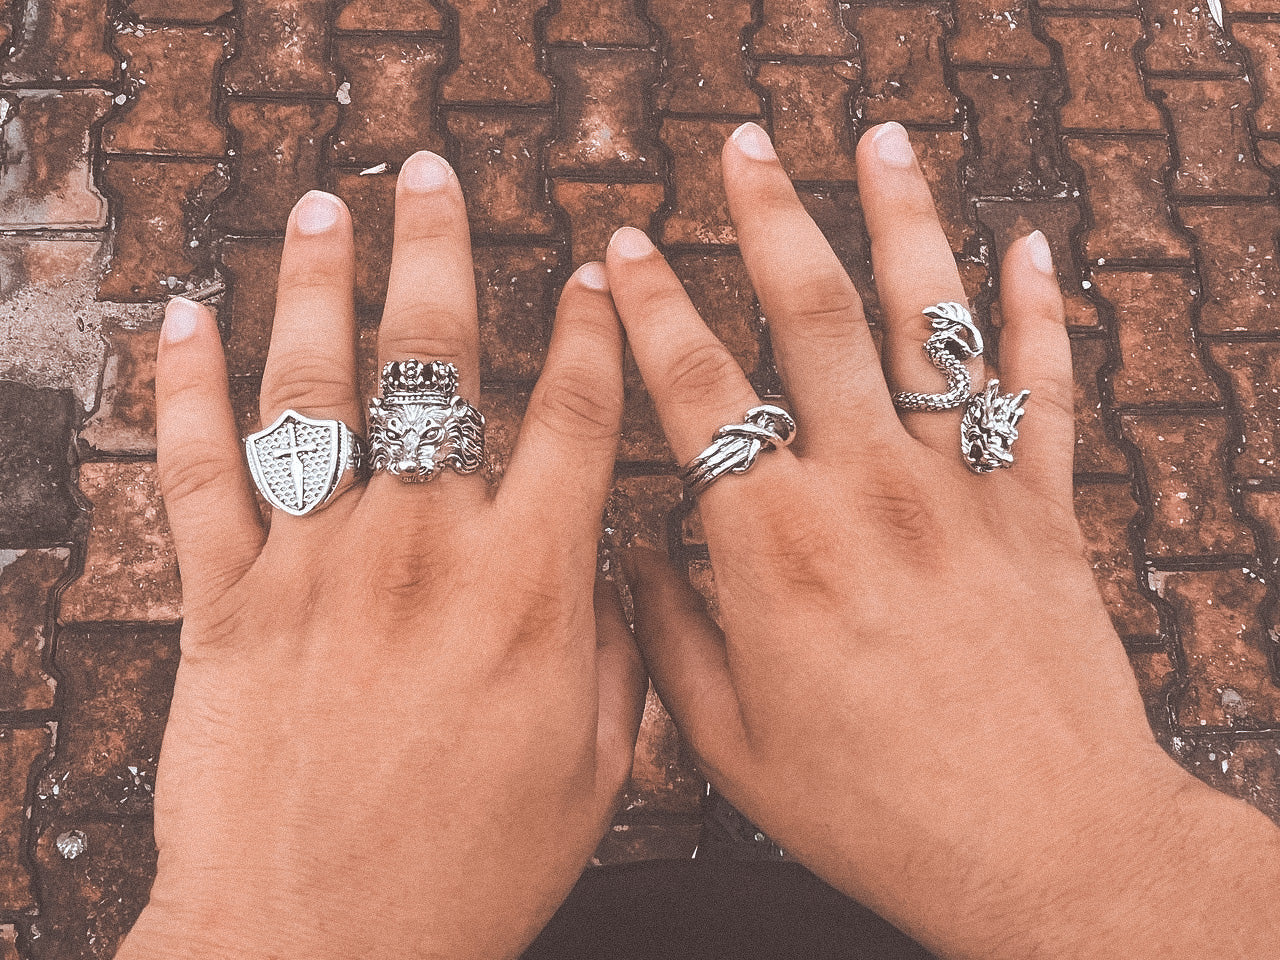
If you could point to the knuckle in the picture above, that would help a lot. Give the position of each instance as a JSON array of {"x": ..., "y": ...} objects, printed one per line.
[
  {"x": 702, "y": 373},
  {"x": 829, "y": 303},
  {"x": 579, "y": 404},
  {"x": 1053, "y": 394},
  {"x": 185, "y": 472},
  {"x": 302, "y": 383},
  {"x": 310, "y": 278},
  {"x": 422, "y": 332}
]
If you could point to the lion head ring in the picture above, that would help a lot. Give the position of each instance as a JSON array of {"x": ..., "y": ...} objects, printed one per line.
[{"x": 419, "y": 425}]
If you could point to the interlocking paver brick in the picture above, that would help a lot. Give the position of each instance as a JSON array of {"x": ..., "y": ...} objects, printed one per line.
[
  {"x": 1131, "y": 217},
  {"x": 46, "y": 181},
  {"x": 903, "y": 76},
  {"x": 500, "y": 166},
  {"x": 1225, "y": 648},
  {"x": 157, "y": 200},
  {"x": 704, "y": 69},
  {"x": 1153, "y": 669},
  {"x": 1106, "y": 90},
  {"x": 282, "y": 47},
  {"x": 644, "y": 511},
  {"x": 194, "y": 11},
  {"x": 125, "y": 421},
  {"x": 1184, "y": 37},
  {"x": 809, "y": 112},
  {"x": 497, "y": 54},
  {"x": 36, "y": 427},
  {"x": 1159, "y": 362},
  {"x": 371, "y": 200},
  {"x": 251, "y": 266},
  {"x": 1095, "y": 451},
  {"x": 1241, "y": 766},
  {"x": 27, "y": 579},
  {"x": 642, "y": 438},
  {"x": 720, "y": 289},
  {"x": 699, "y": 212},
  {"x": 595, "y": 210},
  {"x": 60, "y": 41},
  {"x": 602, "y": 127},
  {"x": 117, "y": 682},
  {"x": 130, "y": 571},
  {"x": 996, "y": 32},
  {"x": 1264, "y": 507},
  {"x": 1262, "y": 43},
  {"x": 515, "y": 302},
  {"x": 419, "y": 16},
  {"x": 19, "y": 750},
  {"x": 392, "y": 109},
  {"x": 1106, "y": 511},
  {"x": 1191, "y": 514},
  {"x": 836, "y": 211},
  {"x": 280, "y": 159},
  {"x": 941, "y": 156},
  {"x": 801, "y": 28},
  {"x": 1016, "y": 154},
  {"x": 598, "y": 23},
  {"x": 1254, "y": 369},
  {"x": 1210, "y": 131},
  {"x": 663, "y": 777},
  {"x": 1239, "y": 272},
  {"x": 169, "y": 72}
]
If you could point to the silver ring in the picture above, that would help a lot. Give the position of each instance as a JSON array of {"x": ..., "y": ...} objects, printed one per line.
[
  {"x": 420, "y": 425},
  {"x": 736, "y": 446},
  {"x": 299, "y": 464},
  {"x": 989, "y": 427}
]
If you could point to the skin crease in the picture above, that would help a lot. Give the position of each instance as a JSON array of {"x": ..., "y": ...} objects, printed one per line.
[{"x": 917, "y": 691}]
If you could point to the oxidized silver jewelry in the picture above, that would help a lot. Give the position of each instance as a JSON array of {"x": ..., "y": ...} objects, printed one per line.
[
  {"x": 420, "y": 425},
  {"x": 736, "y": 446},
  {"x": 989, "y": 427},
  {"x": 299, "y": 464}
]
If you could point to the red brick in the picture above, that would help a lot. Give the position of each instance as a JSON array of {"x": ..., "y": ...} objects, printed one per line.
[
  {"x": 169, "y": 73},
  {"x": 1015, "y": 153},
  {"x": 282, "y": 47},
  {"x": 1185, "y": 38},
  {"x": 1264, "y": 507},
  {"x": 941, "y": 155},
  {"x": 598, "y": 23},
  {"x": 500, "y": 167},
  {"x": 47, "y": 180},
  {"x": 801, "y": 28},
  {"x": 644, "y": 511},
  {"x": 1105, "y": 511},
  {"x": 391, "y": 15},
  {"x": 704, "y": 70},
  {"x": 61, "y": 41},
  {"x": 1254, "y": 368},
  {"x": 1154, "y": 671},
  {"x": 497, "y": 54},
  {"x": 1225, "y": 648},
  {"x": 372, "y": 202},
  {"x": 1268, "y": 153},
  {"x": 720, "y": 289},
  {"x": 194, "y": 11},
  {"x": 252, "y": 266},
  {"x": 19, "y": 751},
  {"x": 1212, "y": 138},
  {"x": 1262, "y": 42},
  {"x": 1095, "y": 452},
  {"x": 393, "y": 102},
  {"x": 27, "y": 579},
  {"x": 1131, "y": 218},
  {"x": 838, "y": 214},
  {"x": 1102, "y": 74},
  {"x": 130, "y": 571},
  {"x": 1182, "y": 456},
  {"x": 636, "y": 842},
  {"x": 1236, "y": 254},
  {"x": 699, "y": 213},
  {"x": 1159, "y": 360},
  {"x": 903, "y": 64},
  {"x": 595, "y": 210},
  {"x": 125, "y": 421},
  {"x": 642, "y": 438},
  {"x": 1240, "y": 767},
  {"x": 809, "y": 111},
  {"x": 996, "y": 31},
  {"x": 37, "y": 425},
  {"x": 157, "y": 200},
  {"x": 663, "y": 777},
  {"x": 602, "y": 127},
  {"x": 280, "y": 160},
  {"x": 516, "y": 303}
]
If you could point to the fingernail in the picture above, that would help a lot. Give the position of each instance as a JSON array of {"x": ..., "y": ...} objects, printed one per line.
[
  {"x": 1038, "y": 252},
  {"x": 316, "y": 212},
  {"x": 892, "y": 145},
  {"x": 630, "y": 243},
  {"x": 425, "y": 171},
  {"x": 754, "y": 142},
  {"x": 180, "y": 319},
  {"x": 593, "y": 276}
]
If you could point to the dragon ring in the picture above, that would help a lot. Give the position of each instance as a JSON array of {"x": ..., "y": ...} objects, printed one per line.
[
  {"x": 736, "y": 446},
  {"x": 420, "y": 425},
  {"x": 299, "y": 464},
  {"x": 990, "y": 422}
]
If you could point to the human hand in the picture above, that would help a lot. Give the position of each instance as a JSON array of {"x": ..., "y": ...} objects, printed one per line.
[
  {"x": 917, "y": 691},
  {"x": 399, "y": 724}
]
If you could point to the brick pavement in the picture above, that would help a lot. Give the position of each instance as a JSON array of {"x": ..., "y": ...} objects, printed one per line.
[{"x": 152, "y": 146}]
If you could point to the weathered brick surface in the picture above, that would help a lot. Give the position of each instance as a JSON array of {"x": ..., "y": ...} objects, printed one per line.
[
  {"x": 1261, "y": 41},
  {"x": 802, "y": 28},
  {"x": 1214, "y": 157},
  {"x": 60, "y": 41},
  {"x": 27, "y": 580},
  {"x": 1254, "y": 369},
  {"x": 1102, "y": 74},
  {"x": 1239, "y": 272},
  {"x": 125, "y": 421},
  {"x": 1184, "y": 37},
  {"x": 996, "y": 32},
  {"x": 699, "y": 212},
  {"x": 602, "y": 127},
  {"x": 595, "y": 210},
  {"x": 497, "y": 54},
  {"x": 500, "y": 166},
  {"x": 19, "y": 751},
  {"x": 808, "y": 108},
  {"x": 282, "y": 47},
  {"x": 417, "y": 16},
  {"x": 36, "y": 428},
  {"x": 705, "y": 70},
  {"x": 598, "y": 22},
  {"x": 1016, "y": 153},
  {"x": 901, "y": 48},
  {"x": 1095, "y": 451},
  {"x": 1106, "y": 512}
]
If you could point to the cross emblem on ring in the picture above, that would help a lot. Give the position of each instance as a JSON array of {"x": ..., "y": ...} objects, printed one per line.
[{"x": 291, "y": 450}]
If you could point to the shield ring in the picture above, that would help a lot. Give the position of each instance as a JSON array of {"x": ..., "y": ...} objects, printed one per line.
[{"x": 299, "y": 464}]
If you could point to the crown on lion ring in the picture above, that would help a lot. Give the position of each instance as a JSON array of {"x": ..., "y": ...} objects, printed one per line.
[{"x": 419, "y": 425}]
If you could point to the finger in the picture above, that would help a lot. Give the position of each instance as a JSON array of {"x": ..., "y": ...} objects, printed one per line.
[
  {"x": 684, "y": 652},
  {"x": 311, "y": 364},
  {"x": 622, "y": 688},
  {"x": 1035, "y": 355},
  {"x": 431, "y": 295},
  {"x": 562, "y": 466},
  {"x": 914, "y": 269},
  {"x": 217, "y": 530},
  {"x": 823, "y": 347}
]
